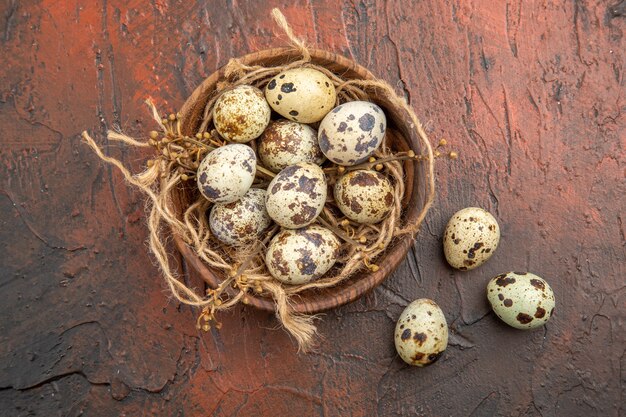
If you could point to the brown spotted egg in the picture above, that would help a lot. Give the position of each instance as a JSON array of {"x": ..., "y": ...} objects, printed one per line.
[
  {"x": 351, "y": 132},
  {"x": 242, "y": 221},
  {"x": 421, "y": 334},
  {"x": 364, "y": 196},
  {"x": 471, "y": 237},
  {"x": 226, "y": 173},
  {"x": 296, "y": 195},
  {"x": 521, "y": 299},
  {"x": 241, "y": 114},
  {"x": 298, "y": 256},
  {"x": 286, "y": 143},
  {"x": 302, "y": 95}
]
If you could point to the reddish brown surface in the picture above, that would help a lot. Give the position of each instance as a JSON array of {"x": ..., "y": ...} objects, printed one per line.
[{"x": 530, "y": 93}]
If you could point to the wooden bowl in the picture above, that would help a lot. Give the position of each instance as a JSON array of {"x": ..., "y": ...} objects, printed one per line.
[{"x": 400, "y": 137}]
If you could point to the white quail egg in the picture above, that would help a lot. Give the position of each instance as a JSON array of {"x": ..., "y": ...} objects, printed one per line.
[
  {"x": 242, "y": 221},
  {"x": 241, "y": 114},
  {"x": 296, "y": 196},
  {"x": 303, "y": 95},
  {"x": 364, "y": 196},
  {"x": 285, "y": 143},
  {"x": 298, "y": 256},
  {"x": 421, "y": 333},
  {"x": 227, "y": 173},
  {"x": 471, "y": 237},
  {"x": 521, "y": 299},
  {"x": 351, "y": 132}
]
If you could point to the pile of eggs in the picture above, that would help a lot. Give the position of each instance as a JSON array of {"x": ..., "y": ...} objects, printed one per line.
[
  {"x": 310, "y": 131},
  {"x": 520, "y": 299}
]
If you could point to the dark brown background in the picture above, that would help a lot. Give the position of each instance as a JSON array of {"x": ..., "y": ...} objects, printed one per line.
[{"x": 531, "y": 94}]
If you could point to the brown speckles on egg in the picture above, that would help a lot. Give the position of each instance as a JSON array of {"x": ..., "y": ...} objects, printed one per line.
[
  {"x": 524, "y": 318},
  {"x": 420, "y": 338},
  {"x": 364, "y": 196},
  {"x": 472, "y": 251},
  {"x": 306, "y": 264},
  {"x": 504, "y": 280},
  {"x": 522, "y": 300},
  {"x": 279, "y": 264},
  {"x": 325, "y": 145},
  {"x": 406, "y": 334},
  {"x": 309, "y": 186},
  {"x": 314, "y": 238},
  {"x": 295, "y": 258},
  {"x": 538, "y": 284},
  {"x": 303, "y": 215},
  {"x": 241, "y": 114},
  {"x": 306, "y": 94},
  {"x": 364, "y": 179},
  {"x": 210, "y": 193},
  {"x": 353, "y": 203},
  {"x": 297, "y": 195},
  {"x": 349, "y": 132},
  {"x": 469, "y": 237}
]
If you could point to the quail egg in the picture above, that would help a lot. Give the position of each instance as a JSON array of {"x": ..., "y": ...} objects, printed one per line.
[
  {"x": 298, "y": 256},
  {"x": 364, "y": 196},
  {"x": 226, "y": 173},
  {"x": 242, "y": 221},
  {"x": 241, "y": 114},
  {"x": 285, "y": 143},
  {"x": 297, "y": 194},
  {"x": 302, "y": 95},
  {"x": 421, "y": 333},
  {"x": 351, "y": 132},
  {"x": 471, "y": 237},
  {"x": 521, "y": 299}
]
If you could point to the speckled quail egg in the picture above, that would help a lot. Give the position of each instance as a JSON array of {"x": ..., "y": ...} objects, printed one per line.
[
  {"x": 296, "y": 195},
  {"x": 241, "y": 114},
  {"x": 298, "y": 256},
  {"x": 227, "y": 173},
  {"x": 242, "y": 221},
  {"x": 285, "y": 143},
  {"x": 364, "y": 196},
  {"x": 521, "y": 299},
  {"x": 303, "y": 95},
  {"x": 351, "y": 132},
  {"x": 421, "y": 333},
  {"x": 471, "y": 237}
]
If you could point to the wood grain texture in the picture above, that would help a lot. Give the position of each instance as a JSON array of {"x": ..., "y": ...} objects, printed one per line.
[{"x": 531, "y": 94}]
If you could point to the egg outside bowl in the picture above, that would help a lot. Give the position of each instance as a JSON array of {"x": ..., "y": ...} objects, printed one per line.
[{"x": 400, "y": 137}]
